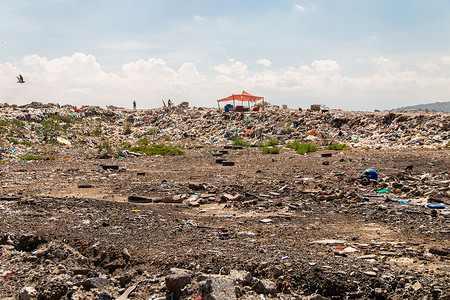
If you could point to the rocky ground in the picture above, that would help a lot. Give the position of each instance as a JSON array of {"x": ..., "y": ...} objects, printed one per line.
[
  {"x": 262, "y": 226},
  {"x": 285, "y": 226}
]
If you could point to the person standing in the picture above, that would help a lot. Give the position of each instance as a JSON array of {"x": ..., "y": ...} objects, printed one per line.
[{"x": 134, "y": 105}]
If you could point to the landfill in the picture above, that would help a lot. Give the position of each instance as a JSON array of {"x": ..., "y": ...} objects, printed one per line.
[{"x": 193, "y": 203}]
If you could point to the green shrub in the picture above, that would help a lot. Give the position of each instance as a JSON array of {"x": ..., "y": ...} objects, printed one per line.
[
  {"x": 272, "y": 142},
  {"x": 338, "y": 147},
  {"x": 240, "y": 142},
  {"x": 126, "y": 145},
  {"x": 127, "y": 128},
  {"x": 52, "y": 125},
  {"x": 13, "y": 140},
  {"x": 302, "y": 148},
  {"x": 36, "y": 157},
  {"x": 151, "y": 132},
  {"x": 18, "y": 123},
  {"x": 295, "y": 144},
  {"x": 106, "y": 150},
  {"x": 26, "y": 143},
  {"x": 157, "y": 150},
  {"x": 269, "y": 143},
  {"x": 167, "y": 138},
  {"x": 97, "y": 131},
  {"x": 271, "y": 150},
  {"x": 142, "y": 141},
  {"x": 4, "y": 122},
  {"x": 306, "y": 148}
]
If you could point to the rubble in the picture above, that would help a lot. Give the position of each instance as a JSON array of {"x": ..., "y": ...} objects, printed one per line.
[{"x": 94, "y": 223}]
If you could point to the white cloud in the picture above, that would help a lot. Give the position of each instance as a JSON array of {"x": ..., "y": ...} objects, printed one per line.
[
  {"x": 199, "y": 18},
  {"x": 446, "y": 59},
  {"x": 79, "y": 79},
  {"x": 236, "y": 68},
  {"x": 265, "y": 62},
  {"x": 303, "y": 8},
  {"x": 299, "y": 7},
  {"x": 428, "y": 66}
]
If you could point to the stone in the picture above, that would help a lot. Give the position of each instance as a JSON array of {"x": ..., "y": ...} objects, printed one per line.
[
  {"x": 266, "y": 220},
  {"x": 241, "y": 277},
  {"x": 104, "y": 295},
  {"x": 176, "y": 282},
  {"x": 265, "y": 286},
  {"x": 98, "y": 282},
  {"x": 329, "y": 242},
  {"x": 28, "y": 293},
  {"x": 173, "y": 199},
  {"x": 440, "y": 252},
  {"x": 370, "y": 273},
  {"x": 314, "y": 297},
  {"x": 417, "y": 286},
  {"x": 196, "y": 186},
  {"x": 27, "y": 242},
  {"x": 217, "y": 288},
  {"x": 126, "y": 255},
  {"x": 369, "y": 256}
]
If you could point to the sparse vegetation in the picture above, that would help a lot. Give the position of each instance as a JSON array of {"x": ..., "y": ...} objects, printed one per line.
[
  {"x": 37, "y": 157},
  {"x": 126, "y": 145},
  {"x": 287, "y": 130},
  {"x": 97, "y": 131},
  {"x": 271, "y": 150},
  {"x": 302, "y": 148},
  {"x": 13, "y": 140},
  {"x": 106, "y": 150},
  {"x": 240, "y": 142},
  {"x": 142, "y": 141},
  {"x": 167, "y": 138},
  {"x": 18, "y": 123},
  {"x": 127, "y": 128},
  {"x": 337, "y": 147},
  {"x": 157, "y": 150},
  {"x": 269, "y": 143}
]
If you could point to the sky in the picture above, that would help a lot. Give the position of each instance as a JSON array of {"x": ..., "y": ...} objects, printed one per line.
[{"x": 347, "y": 54}]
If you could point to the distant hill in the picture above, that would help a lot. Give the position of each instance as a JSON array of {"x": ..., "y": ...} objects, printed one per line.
[{"x": 436, "y": 106}]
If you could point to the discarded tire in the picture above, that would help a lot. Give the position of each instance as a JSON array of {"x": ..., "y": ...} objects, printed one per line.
[
  {"x": 217, "y": 154},
  {"x": 228, "y": 163},
  {"x": 325, "y": 163},
  {"x": 112, "y": 167},
  {"x": 141, "y": 173},
  {"x": 223, "y": 151},
  {"x": 219, "y": 160},
  {"x": 237, "y": 147},
  {"x": 227, "y": 147},
  {"x": 84, "y": 186},
  {"x": 327, "y": 154},
  {"x": 139, "y": 199}
]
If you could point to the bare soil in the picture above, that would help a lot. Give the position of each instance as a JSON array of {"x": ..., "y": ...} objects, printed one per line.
[{"x": 80, "y": 214}]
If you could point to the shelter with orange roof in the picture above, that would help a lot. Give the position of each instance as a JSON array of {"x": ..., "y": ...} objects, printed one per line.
[{"x": 243, "y": 97}]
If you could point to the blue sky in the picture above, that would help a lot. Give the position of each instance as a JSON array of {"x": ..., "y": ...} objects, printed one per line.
[{"x": 353, "y": 55}]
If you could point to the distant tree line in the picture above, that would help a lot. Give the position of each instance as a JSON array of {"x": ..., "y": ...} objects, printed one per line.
[{"x": 433, "y": 107}]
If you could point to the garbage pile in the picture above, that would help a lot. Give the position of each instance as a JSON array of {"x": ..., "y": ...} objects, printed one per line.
[{"x": 89, "y": 126}]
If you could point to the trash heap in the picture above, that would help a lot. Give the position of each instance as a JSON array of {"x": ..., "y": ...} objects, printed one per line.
[{"x": 88, "y": 127}]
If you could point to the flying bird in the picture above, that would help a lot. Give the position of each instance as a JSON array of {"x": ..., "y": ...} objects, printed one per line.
[{"x": 20, "y": 79}]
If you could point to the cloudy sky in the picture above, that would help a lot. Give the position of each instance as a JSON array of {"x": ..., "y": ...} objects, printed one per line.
[{"x": 348, "y": 54}]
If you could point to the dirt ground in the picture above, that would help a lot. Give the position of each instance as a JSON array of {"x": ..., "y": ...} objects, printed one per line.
[{"x": 305, "y": 222}]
